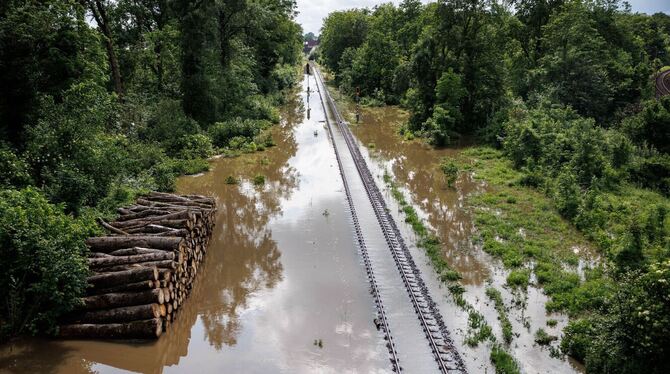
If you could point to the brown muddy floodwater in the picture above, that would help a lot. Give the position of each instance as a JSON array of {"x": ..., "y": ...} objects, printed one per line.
[
  {"x": 413, "y": 166},
  {"x": 282, "y": 289}
]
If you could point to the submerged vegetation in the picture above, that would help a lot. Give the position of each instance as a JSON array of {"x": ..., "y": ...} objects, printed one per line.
[
  {"x": 103, "y": 100},
  {"x": 571, "y": 142}
]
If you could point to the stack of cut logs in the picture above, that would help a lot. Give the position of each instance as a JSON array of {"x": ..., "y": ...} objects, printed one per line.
[{"x": 143, "y": 271}]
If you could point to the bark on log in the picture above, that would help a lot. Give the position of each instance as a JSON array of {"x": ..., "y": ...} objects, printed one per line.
[
  {"x": 137, "y": 286},
  {"x": 116, "y": 300},
  {"x": 186, "y": 214},
  {"x": 110, "y": 227},
  {"x": 146, "y": 329},
  {"x": 134, "y": 251},
  {"x": 123, "y": 277},
  {"x": 150, "y": 229},
  {"x": 142, "y": 214},
  {"x": 122, "y": 314},
  {"x": 134, "y": 259},
  {"x": 167, "y": 264},
  {"x": 106, "y": 244}
]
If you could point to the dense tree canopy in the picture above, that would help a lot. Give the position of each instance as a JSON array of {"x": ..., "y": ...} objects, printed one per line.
[{"x": 104, "y": 99}]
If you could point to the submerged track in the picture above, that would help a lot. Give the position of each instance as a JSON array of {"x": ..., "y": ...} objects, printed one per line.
[{"x": 437, "y": 336}]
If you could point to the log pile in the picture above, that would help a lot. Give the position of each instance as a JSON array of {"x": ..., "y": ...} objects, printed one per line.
[{"x": 144, "y": 270}]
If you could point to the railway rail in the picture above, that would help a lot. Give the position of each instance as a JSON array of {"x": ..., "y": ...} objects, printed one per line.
[{"x": 437, "y": 335}]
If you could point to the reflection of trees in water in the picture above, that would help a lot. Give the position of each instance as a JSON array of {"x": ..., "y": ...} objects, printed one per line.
[
  {"x": 39, "y": 356},
  {"x": 244, "y": 258},
  {"x": 413, "y": 167}
]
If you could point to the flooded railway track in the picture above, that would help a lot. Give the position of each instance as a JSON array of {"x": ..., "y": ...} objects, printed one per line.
[{"x": 438, "y": 338}]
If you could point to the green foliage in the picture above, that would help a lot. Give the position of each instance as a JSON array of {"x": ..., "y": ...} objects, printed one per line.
[
  {"x": 450, "y": 171},
  {"x": 630, "y": 335},
  {"x": 577, "y": 337},
  {"x": 13, "y": 170},
  {"x": 223, "y": 133},
  {"x": 505, "y": 323},
  {"x": 478, "y": 329},
  {"x": 69, "y": 150},
  {"x": 518, "y": 278},
  {"x": 342, "y": 30},
  {"x": 259, "y": 180},
  {"x": 542, "y": 338},
  {"x": 503, "y": 361},
  {"x": 44, "y": 262},
  {"x": 194, "y": 146}
]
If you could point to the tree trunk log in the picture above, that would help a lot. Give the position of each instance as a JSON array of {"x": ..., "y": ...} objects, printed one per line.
[
  {"x": 146, "y": 329},
  {"x": 137, "y": 286},
  {"x": 122, "y": 260},
  {"x": 116, "y": 300},
  {"x": 123, "y": 277},
  {"x": 118, "y": 315},
  {"x": 134, "y": 251},
  {"x": 108, "y": 244}
]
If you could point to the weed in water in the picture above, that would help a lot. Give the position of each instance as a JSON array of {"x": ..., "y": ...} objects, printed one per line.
[
  {"x": 518, "y": 278},
  {"x": 503, "y": 361},
  {"x": 259, "y": 180},
  {"x": 542, "y": 338},
  {"x": 231, "y": 180},
  {"x": 497, "y": 299}
]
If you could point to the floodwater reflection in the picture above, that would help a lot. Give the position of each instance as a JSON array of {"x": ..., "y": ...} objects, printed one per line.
[
  {"x": 279, "y": 275},
  {"x": 413, "y": 165}
]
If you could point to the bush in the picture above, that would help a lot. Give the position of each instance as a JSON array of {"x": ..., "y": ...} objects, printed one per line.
[
  {"x": 503, "y": 361},
  {"x": 450, "y": 171},
  {"x": 168, "y": 124},
  {"x": 518, "y": 278},
  {"x": 577, "y": 336},
  {"x": 542, "y": 338},
  {"x": 13, "y": 170},
  {"x": 194, "y": 146},
  {"x": 259, "y": 180},
  {"x": 165, "y": 174},
  {"x": 43, "y": 261},
  {"x": 223, "y": 133}
]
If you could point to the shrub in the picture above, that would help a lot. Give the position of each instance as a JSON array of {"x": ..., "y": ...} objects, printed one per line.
[
  {"x": 450, "y": 171},
  {"x": 43, "y": 261},
  {"x": 224, "y": 133},
  {"x": 193, "y": 146},
  {"x": 518, "y": 278},
  {"x": 13, "y": 170},
  {"x": 503, "y": 361},
  {"x": 577, "y": 336},
  {"x": 542, "y": 338},
  {"x": 168, "y": 124},
  {"x": 259, "y": 180}
]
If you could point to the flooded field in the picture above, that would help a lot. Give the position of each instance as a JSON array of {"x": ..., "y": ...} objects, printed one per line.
[
  {"x": 414, "y": 168},
  {"x": 282, "y": 289}
]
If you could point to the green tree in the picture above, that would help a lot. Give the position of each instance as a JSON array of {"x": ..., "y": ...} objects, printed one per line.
[
  {"x": 44, "y": 262},
  {"x": 342, "y": 30}
]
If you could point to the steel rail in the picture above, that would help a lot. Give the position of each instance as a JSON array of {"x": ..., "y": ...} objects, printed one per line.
[
  {"x": 382, "y": 320},
  {"x": 439, "y": 340}
]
